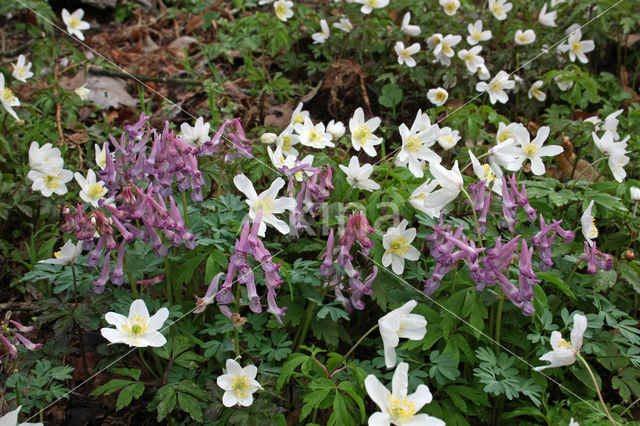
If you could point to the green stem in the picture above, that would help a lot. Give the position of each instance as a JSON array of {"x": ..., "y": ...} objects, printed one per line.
[
  {"x": 475, "y": 217},
  {"x": 141, "y": 355},
  {"x": 573, "y": 271},
  {"x": 132, "y": 282},
  {"x": 167, "y": 280},
  {"x": 17, "y": 391},
  {"x": 236, "y": 332},
  {"x": 306, "y": 322},
  {"x": 75, "y": 324},
  {"x": 185, "y": 210},
  {"x": 595, "y": 382},
  {"x": 499, "y": 322},
  {"x": 353, "y": 348}
]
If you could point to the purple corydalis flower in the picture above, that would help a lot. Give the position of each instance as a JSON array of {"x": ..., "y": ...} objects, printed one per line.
[
  {"x": 357, "y": 229},
  {"x": 543, "y": 241},
  {"x": 27, "y": 343},
  {"x": 596, "y": 259},
  {"x": 326, "y": 268},
  {"x": 100, "y": 284},
  {"x": 212, "y": 290},
  {"x": 13, "y": 351}
]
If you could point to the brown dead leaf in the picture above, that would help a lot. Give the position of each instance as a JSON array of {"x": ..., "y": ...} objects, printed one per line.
[
  {"x": 631, "y": 39},
  {"x": 624, "y": 80},
  {"x": 278, "y": 116},
  {"x": 568, "y": 158}
]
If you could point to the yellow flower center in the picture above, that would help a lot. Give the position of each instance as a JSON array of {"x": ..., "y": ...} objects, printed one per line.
[
  {"x": 531, "y": 149},
  {"x": 446, "y": 49},
  {"x": 137, "y": 326},
  {"x": 240, "y": 386},
  {"x": 576, "y": 46},
  {"x": 447, "y": 140},
  {"x": 74, "y": 22},
  {"x": 58, "y": 254},
  {"x": 299, "y": 118},
  {"x": 102, "y": 160},
  {"x": 281, "y": 10},
  {"x": 450, "y": 7},
  {"x": 404, "y": 54},
  {"x": 594, "y": 229},
  {"x": 52, "y": 181},
  {"x": 564, "y": 344},
  {"x": 495, "y": 86},
  {"x": 315, "y": 137},
  {"x": 414, "y": 144},
  {"x": 441, "y": 96},
  {"x": 476, "y": 35},
  {"x": 469, "y": 57},
  {"x": 536, "y": 92},
  {"x": 20, "y": 70},
  {"x": 96, "y": 191},
  {"x": 523, "y": 38},
  {"x": 506, "y": 134},
  {"x": 286, "y": 143},
  {"x": 497, "y": 9},
  {"x": 8, "y": 95},
  {"x": 363, "y": 134},
  {"x": 265, "y": 205},
  {"x": 399, "y": 246},
  {"x": 487, "y": 173},
  {"x": 401, "y": 410}
]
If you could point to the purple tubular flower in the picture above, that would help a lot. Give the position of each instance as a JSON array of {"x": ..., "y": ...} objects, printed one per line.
[
  {"x": 527, "y": 280},
  {"x": 13, "y": 352},
  {"x": 22, "y": 328},
  {"x": 521, "y": 198},
  {"x": 27, "y": 343},
  {"x": 481, "y": 202},
  {"x": 596, "y": 259},
  {"x": 202, "y": 302},
  {"x": 326, "y": 268},
  {"x": 508, "y": 208},
  {"x": 100, "y": 284},
  {"x": 96, "y": 254},
  {"x": 273, "y": 307},
  {"x": 117, "y": 274}
]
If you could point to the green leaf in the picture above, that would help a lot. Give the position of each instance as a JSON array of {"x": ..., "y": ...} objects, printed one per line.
[
  {"x": 189, "y": 359},
  {"x": 134, "y": 373},
  {"x": 190, "y": 405},
  {"x": 349, "y": 389},
  {"x": 550, "y": 276},
  {"x": 128, "y": 393},
  {"x": 288, "y": 367},
  {"x": 193, "y": 389},
  {"x": 111, "y": 386},
  {"x": 167, "y": 401},
  {"x": 391, "y": 95}
]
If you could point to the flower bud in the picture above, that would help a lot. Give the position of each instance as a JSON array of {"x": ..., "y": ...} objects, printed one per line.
[
  {"x": 268, "y": 138},
  {"x": 336, "y": 129},
  {"x": 635, "y": 194}
]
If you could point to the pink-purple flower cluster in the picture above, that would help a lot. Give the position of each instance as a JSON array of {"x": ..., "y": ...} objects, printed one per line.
[
  {"x": 249, "y": 244},
  {"x": 543, "y": 240},
  {"x": 357, "y": 229},
  {"x": 596, "y": 259},
  {"x": 8, "y": 333},
  {"x": 511, "y": 200},
  {"x": 481, "y": 200},
  {"x": 311, "y": 194}
]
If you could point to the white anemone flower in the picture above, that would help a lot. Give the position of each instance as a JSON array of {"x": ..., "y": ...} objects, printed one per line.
[
  {"x": 611, "y": 123},
  {"x": 565, "y": 353},
  {"x": 496, "y": 87},
  {"x": 22, "y": 69},
  {"x": 400, "y": 323},
  {"x": 11, "y": 419},
  {"x": 268, "y": 138},
  {"x": 634, "y": 193},
  {"x": 573, "y": 422},
  {"x": 405, "y": 53},
  {"x": 138, "y": 329},
  {"x": 510, "y": 131},
  {"x": 92, "y": 190},
  {"x": 238, "y": 384},
  {"x": 45, "y": 157},
  {"x": 448, "y": 138},
  {"x": 547, "y": 19},
  {"x": 344, "y": 24},
  {"x": 434, "y": 40},
  {"x": 52, "y": 181},
  {"x": 287, "y": 139},
  {"x": 523, "y": 38},
  {"x": 358, "y": 176},
  {"x": 499, "y": 9},
  {"x": 563, "y": 81},
  {"x": 279, "y": 161},
  {"x": 421, "y": 123},
  {"x": 471, "y": 58},
  {"x": 196, "y": 135},
  {"x": 415, "y": 148},
  {"x": 476, "y": 35},
  {"x": 323, "y": 35},
  {"x": 75, "y": 24},
  {"x": 362, "y": 132},
  {"x": 407, "y": 28},
  {"x": 535, "y": 92},
  {"x": 451, "y": 184},
  {"x": 397, "y": 244},
  {"x": 283, "y": 9},
  {"x": 533, "y": 151},
  {"x": 101, "y": 155},
  {"x": 437, "y": 96},
  {"x": 397, "y": 407},
  {"x": 577, "y": 47},
  {"x": 82, "y": 92},
  {"x": 417, "y": 197},
  {"x": 8, "y": 99},
  {"x": 443, "y": 51},
  {"x": 369, "y": 5},
  {"x": 67, "y": 254},
  {"x": 313, "y": 135},
  {"x": 267, "y": 202},
  {"x": 450, "y": 6},
  {"x": 616, "y": 152},
  {"x": 336, "y": 129},
  {"x": 298, "y": 115},
  {"x": 588, "y": 222},
  {"x": 483, "y": 72},
  {"x": 490, "y": 175}
]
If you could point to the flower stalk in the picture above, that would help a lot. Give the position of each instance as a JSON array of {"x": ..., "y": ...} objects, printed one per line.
[{"x": 595, "y": 382}]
